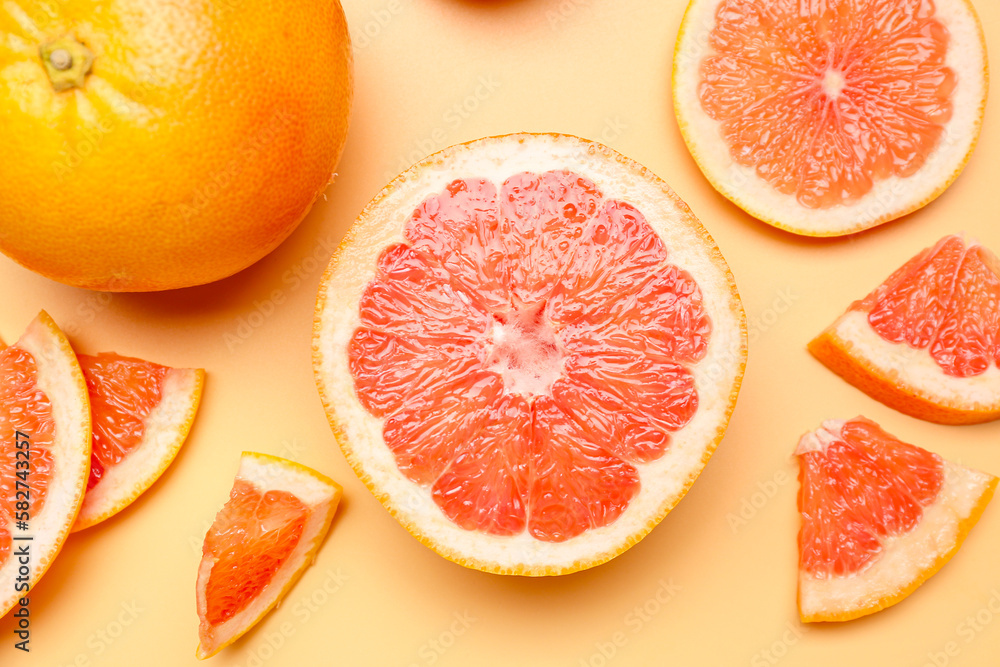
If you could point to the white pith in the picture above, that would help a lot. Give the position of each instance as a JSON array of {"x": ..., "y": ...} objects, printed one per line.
[
  {"x": 820, "y": 439},
  {"x": 321, "y": 495},
  {"x": 833, "y": 83},
  {"x": 889, "y": 198},
  {"x": 166, "y": 428},
  {"x": 663, "y": 481},
  {"x": 525, "y": 354},
  {"x": 915, "y": 369},
  {"x": 905, "y": 559},
  {"x": 59, "y": 377}
]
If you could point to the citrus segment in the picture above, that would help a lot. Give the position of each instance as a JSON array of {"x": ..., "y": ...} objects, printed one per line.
[
  {"x": 628, "y": 432},
  {"x": 926, "y": 341},
  {"x": 391, "y": 369},
  {"x": 910, "y": 308},
  {"x": 250, "y": 539},
  {"x": 577, "y": 484},
  {"x": 663, "y": 316},
  {"x": 412, "y": 297},
  {"x": 459, "y": 231},
  {"x": 23, "y": 410},
  {"x": 44, "y": 451},
  {"x": 425, "y": 437},
  {"x": 825, "y": 110},
  {"x": 968, "y": 339},
  {"x": 542, "y": 216},
  {"x": 612, "y": 258},
  {"x": 642, "y": 399},
  {"x": 497, "y": 455},
  {"x": 879, "y": 517},
  {"x": 122, "y": 394},
  {"x": 532, "y": 342},
  {"x": 263, "y": 539},
  {"x": 862, "y": 487},
  {"x": 142, "y": 413}
]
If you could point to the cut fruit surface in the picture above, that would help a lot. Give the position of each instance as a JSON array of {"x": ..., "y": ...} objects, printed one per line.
[
  {"x": 528, "y": 348},
  {"x": 879, "y": 517},
  {"x": 44, "y": 451},
  {"x": 828, "y": 118},
  {"x": 260, "y": 543},
  {"x": 926, "y": 341},
  {"x": 142, "y": 414}
]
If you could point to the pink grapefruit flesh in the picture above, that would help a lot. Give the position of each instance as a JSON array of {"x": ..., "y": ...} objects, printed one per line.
[
  {"x": 825, "y": 101},
  {"x": 251, "y": 537},
  {"x": 945, "y": 300},
  {"x": 864, "y": 487},
  {"x": 826, "y": 118},
  {"x": 259, "y": 545},
  {"x": 514, "y": 319},
  {"x": 24, "y": 409},
  {"x": 123, "y": 391}
]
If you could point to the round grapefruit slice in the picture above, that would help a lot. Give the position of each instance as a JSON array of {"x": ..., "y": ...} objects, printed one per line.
[
  {"x": 141, "y": 414},
  {"x": 44, "y": 454},
  {"x": 879, "y": 517},
  {"x": 263, "y": 539},
  {"x": 826, "y": 118},
  {"x": 528, "y": 348},
  {"x": 926, "y": 341}
]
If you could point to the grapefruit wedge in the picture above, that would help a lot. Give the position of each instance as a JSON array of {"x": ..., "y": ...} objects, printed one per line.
[
  {"x": 879, "y": 517},
  {"x": 260, "y": 543},
  {"x": 826, "y": 118},
  {"x": 926, "y": 341},
  {"x": 141, "y": 413},
  {"x": 44, "y": 454},
  {"x": 528, "y": 348}
]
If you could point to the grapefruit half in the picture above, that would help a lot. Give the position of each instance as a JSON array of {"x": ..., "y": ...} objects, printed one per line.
[
  {"x": 528, "y": 348},
  {"x": 879, "y": 517},
  {"x": 44, "y": 453},
  {"x": 826, "y": 118},
  {"x": 141, "y": 414},
  {"x": 263, "y": 539},
  {"x": 926, "y": 341}
]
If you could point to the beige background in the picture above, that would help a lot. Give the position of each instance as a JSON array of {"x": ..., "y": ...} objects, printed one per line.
[{"x": 702, "y": 589}]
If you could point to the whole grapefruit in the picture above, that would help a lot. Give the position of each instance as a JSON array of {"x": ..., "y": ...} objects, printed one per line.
[{"x": 150, "y": 145}]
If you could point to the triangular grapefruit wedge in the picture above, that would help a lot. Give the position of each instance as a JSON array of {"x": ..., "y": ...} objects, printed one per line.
[
  {"x": 44, "y": 453},
  {"x": 879, "y": 517},
  {"x": 263, "y": 539},
  {"x": 142, "y": 414},
  {"x": 926, "y": 341}
]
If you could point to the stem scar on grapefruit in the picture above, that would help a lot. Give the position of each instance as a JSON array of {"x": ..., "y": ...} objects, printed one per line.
[
  {"x": 879, "y": 517},
  {"x": 826, "y": 118},
  {"x": 183, "y": 141},
  {"x": 44, "y": 451},
  {"x": 141, "y": 415},
  {"x": 926, "y": 341},
  {"x": 528, "y": 348},
  {"x": 263, "y": 539}
]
